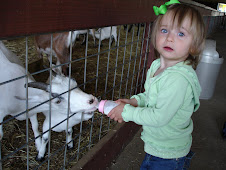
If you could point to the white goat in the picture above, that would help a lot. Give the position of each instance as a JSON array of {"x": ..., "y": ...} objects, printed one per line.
[
  {"x": 13, "y": 98},
  {"x": 83, "y": 107},
  {"x": 10, "y": 104},
  {"x": 107, "y": 32},
  {"x": 84, "y": 32}
]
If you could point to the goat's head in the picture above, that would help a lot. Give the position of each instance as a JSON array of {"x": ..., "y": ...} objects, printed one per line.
[{"x": 79, "y": 100}]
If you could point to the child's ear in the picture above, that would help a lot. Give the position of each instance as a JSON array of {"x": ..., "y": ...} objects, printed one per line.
[{"x": 192, "y": 51}]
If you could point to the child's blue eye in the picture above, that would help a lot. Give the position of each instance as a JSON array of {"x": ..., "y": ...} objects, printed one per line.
[
  {"x": 164, "y": 31},
  {"x": 181, "y": 34}
]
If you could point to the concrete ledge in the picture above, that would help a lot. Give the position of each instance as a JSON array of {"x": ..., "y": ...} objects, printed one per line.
[{"x": 108, "y": 148}]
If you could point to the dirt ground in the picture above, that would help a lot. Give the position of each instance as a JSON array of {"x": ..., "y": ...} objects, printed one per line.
[{"x": 208, "y": 144}]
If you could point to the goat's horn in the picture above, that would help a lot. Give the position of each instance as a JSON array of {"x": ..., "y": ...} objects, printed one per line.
[{"x": 39, "y": 85}]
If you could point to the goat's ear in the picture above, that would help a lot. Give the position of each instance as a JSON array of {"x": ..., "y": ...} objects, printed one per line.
[
  {"x": 40, "y": 99},
  {"x": 31, "y": 99}
]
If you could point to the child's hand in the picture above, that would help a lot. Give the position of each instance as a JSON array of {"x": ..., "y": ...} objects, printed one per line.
[
  {"x": 116, "y": 113},
  {"x": 132, "y": 102}
]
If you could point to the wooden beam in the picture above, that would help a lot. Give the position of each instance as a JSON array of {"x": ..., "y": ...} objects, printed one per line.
[
  {"x": 22, "y": 18},
  {"x": 19, "y": 18},
  {"x": 101, "y": 155}
]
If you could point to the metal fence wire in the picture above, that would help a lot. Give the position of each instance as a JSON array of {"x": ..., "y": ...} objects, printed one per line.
[{"x": 113, "y": 67}]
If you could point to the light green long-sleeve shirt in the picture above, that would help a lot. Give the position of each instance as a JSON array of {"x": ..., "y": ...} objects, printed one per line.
[{"x": 164, "y": 110}]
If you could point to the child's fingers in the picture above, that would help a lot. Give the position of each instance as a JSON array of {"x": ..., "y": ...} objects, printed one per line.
[
  {"x": 118, "y": 101},
  {"x": 120, "y": 120},
  {"x": 112, "y": 116},
  {"x": 110, "y": 113}
]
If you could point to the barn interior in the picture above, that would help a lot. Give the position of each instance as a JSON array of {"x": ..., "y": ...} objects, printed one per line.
[{"x": 108, "y": 78}]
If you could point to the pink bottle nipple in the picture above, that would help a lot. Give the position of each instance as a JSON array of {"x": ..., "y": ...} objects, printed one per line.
[{"x": 101, "y": 106}]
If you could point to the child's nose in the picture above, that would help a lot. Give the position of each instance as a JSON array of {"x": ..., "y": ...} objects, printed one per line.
[{"x": 170, "y": 37}]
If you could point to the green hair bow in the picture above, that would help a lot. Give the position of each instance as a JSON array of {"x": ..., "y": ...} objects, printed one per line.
[{"x": 163, "y": 8}]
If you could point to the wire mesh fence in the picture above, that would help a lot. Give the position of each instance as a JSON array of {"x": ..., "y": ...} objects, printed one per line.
[{"x": 111, "y": 67}]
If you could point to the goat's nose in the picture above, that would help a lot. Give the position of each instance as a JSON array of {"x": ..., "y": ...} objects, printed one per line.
[{"x": 91, "y": 101}]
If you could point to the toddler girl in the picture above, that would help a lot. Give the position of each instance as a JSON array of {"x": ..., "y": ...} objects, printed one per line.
[{"x": 171, "y": 89}]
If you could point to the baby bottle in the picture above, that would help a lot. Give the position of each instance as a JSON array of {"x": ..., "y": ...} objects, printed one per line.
[{"x": 105, "y": 106}]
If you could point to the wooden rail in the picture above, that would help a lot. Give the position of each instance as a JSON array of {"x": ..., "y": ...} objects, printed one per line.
[
  {"x": 30, "y": 17},
  {"x": 21, "y": 18}
]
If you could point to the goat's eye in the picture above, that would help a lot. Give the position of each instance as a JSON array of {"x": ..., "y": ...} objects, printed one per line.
[
  {"x": 91, "y": 101},
  {"x": 58, "y": 101}
]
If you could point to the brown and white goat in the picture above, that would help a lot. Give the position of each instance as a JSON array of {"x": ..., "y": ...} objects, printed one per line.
[{"x": 60, "y": 46}]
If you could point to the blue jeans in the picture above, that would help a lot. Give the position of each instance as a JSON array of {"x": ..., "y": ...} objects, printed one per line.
[{"x": 155, "y": 163}]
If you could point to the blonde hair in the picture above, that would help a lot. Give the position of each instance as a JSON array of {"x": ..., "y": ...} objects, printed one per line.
[{"x": 197, "y": 28}]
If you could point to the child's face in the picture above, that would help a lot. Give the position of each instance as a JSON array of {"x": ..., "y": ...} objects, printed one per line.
[{"x": 173, "y": 43}]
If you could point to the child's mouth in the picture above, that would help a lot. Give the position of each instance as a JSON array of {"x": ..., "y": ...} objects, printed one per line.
[{"x": 168, "y": 49}]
